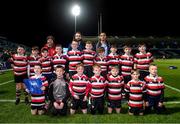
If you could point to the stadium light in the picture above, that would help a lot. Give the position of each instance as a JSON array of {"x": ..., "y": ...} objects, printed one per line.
[{"x": 75, "y": 12}]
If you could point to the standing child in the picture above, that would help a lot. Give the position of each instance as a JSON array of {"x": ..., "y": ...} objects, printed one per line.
[
  {"x": 135, "y": 90},
  {"x": 59, "y": 58},
  {"x": 155, "y": 90},
  {"x": 59, "y": 92},
  {"x": 142, "y": 61},
  {"x": 127, "y": 63},
  {"x": 113, "y": 57},
  {"x": 19, "y": 65},
  {"x": 46, "y": 64},
  {"x": 88, "y": 59},
  {"x": 101, "y": 60},
  {"x": 74, "y": 57},
  {"x": 97, "y": 90},
  {"x": 33, "y": 59},
  {"x": 79, "y": 88},
  {"x": 115, "y": 87},
  {"x": 38, "y": 100}
]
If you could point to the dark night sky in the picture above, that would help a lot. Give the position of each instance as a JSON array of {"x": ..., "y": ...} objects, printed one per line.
[{"x": 30, "y": 21}]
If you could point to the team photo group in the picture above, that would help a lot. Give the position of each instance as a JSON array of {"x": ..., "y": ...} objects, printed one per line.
[{"x": 92, "y": 77}]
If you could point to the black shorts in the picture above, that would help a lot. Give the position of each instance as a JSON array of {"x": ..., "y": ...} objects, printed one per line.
[
  {"x": 153, "y": 100},
  {"x": 20, "y": 78},
  {"x": 97, "y": 104},
  {"x": 114, "y": 103},
  {"x": 62, "y": 111},
  {"x": 71, "y": 73},
  {"x": 76, "y": 103},
  {"x": 136, "y": 110},
  {"x": 104, "y": 74},
  {"x": 127, "y": 78},
  {"x": 37, "y": 107},
  {"x": 88, "y": 71},
  {"x": 143, "y": 74}
]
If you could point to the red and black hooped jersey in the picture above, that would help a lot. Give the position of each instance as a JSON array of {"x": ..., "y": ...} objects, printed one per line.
[
  {"x": 33, "y": 60},
  {"x": 115, "y": 86},
  {"x": 103, "y": 62},
  {"x": 39, "y": 99},
  {"x": 97, "y": 86},
  {"x": 59, "y": 60},
  {"x": 46, "y": 65},
  {"x": 127, "y": 63},
  {"x": 20, "y": 63},
  {"x": 154, "y": 85},
  {"x": 88, "y": 57},
  {"x": 136, "y": 90},
  {"x": 143, "y": 60},
  {"x": 113, "y": 60},
  {"x": 74, "y": 58},
  {"x": 79, "y": 85}
]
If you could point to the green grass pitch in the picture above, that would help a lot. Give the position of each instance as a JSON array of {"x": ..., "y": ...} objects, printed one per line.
[{"x": 11, "y": 113}]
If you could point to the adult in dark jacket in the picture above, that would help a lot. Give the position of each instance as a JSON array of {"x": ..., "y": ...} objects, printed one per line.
[
  {"x": 103, "y": 43},
  {"x": 77, "y": 37}
]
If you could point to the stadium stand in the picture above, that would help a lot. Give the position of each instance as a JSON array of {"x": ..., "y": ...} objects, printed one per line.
[
  {"x": 7, "y": 48},
  {"x": 161, "y": 47}
]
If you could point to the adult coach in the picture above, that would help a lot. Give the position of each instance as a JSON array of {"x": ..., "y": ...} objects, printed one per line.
[
  {"x": 50, "y": 45},
  {"x": 103, "y": 43},
  {"x": 78, "y": 37}
]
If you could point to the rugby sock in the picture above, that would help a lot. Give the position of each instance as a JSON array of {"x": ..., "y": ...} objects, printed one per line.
[
  {"x": 25, "y": 93},
  {"x": 18, "y": 93}
]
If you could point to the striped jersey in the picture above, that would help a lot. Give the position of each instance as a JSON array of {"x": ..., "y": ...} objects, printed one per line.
[
  {"x": 79, "y": 85},
  {"x": 74, "y": 58},
  {"x": 115, "y": 86},
  {"x": 127, "y": 63},
  {"x": 113, "y": 60},
  {"x": 20, "y": 63},
  {"x": 154, "y": 85},
  {"x": 97, "y": 86},
  {"x": 33, "y": 60},
  {"x": 143, "y": 60},
  {"x": 46, "y": 65},
  {"x": 59, "y": 60},
  {"x": 39, "y": 99},
  {"x": 136, "y": 90},
  {"x": 102, "y": 61},
  {"x": 88, "y": 57}
]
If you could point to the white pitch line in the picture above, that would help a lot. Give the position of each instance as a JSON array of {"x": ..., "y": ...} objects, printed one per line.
[
  {"x": 6, "y": 82},
  {"x": 10, "y": 100},
  {"x": 173, "y": 88},
  {"x": 7, "y": 100},
  {"x": 6, "y": 70},
  {"x": 173, "y": 102}
]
